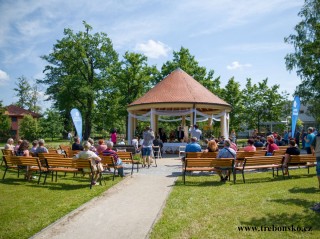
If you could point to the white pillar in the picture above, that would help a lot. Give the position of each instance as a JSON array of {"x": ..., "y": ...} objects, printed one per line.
[
  {"x": 224, "y": 126},
  {"x": 152, "y": 120},
  {"x": 130, "y": 129}
]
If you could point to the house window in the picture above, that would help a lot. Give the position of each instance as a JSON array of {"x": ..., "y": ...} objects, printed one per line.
[
  {"x": 14, "y": 119},
  {"x": 13, "y": 133}
]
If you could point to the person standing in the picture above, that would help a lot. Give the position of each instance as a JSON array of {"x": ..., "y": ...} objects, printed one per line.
[
  {"x": 180, "y": 134},
  {"x": 148, "y": 137},
  {"x": 297, "y": 138},
  {"x": 309, "y": 138},
  {"x": 113, "y": 136},
  {"x": 316, "y": 150},
  {"x": 195, "y": 132}
]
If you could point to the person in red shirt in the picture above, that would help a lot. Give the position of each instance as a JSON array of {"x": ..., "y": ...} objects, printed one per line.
[
  {"x": 271, "y": 146},
  {"x": 250, "y": 147}
]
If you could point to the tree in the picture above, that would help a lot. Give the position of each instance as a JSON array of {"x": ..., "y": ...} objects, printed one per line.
[
  {"x": 5, "y": 125},
  {"x": 134, "y": 80},
  {"x": 306, "y": 58},
  {"x": 262, "y": 104},
  {"x": 81, "y": 67},
  {"x": 29, "y": 128},
  {"x": 234, "y": 96},
  {"x": 51, "y": 124},
  {"x": 28, "y": 95},
  {"x": 184, "y": 60}
]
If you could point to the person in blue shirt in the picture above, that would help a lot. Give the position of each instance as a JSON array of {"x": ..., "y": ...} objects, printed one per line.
[
  {"x": 226, "y": 152},
  {"x": 309, "y": 139},
  {"x": 193, "y": 146}
]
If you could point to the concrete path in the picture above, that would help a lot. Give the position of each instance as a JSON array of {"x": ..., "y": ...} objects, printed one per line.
[{"x": 127, "y": 210}]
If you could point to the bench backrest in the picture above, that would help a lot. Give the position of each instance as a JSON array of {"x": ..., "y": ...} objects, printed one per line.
[
  {"x": 107, "y": 161},
  {"x": 243, "y": 154},
  {"x": 209, "y": 162},
  {"x": 279, "y": 152},
  {"x": 259, "y": 153},
  {"x": 82, "y": 163},
  {"x": 201, "y": 155},
  {"x": 72, "y": 153},
  {"x": 262, "y": 160},
  {"x": 54, "y": 162},
  {"x": 25, "y": 161},
  {"x": 7, "y": 152},
  {"x": 198, "y": 162},
  {"x": 125, "y": 155},
  {"x": 302, "y": 158}
]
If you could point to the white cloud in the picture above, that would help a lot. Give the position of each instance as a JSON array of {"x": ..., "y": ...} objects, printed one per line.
[
  {"x": 153, "y": 49},
  {"x": 236, "y": 65},
  {"x": 4, "y": 77}
]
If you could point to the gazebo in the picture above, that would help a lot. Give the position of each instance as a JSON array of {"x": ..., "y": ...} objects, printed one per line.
[{"x": 178, "y": 94}]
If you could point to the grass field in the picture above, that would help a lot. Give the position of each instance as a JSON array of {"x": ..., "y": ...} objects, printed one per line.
[
  {"x": 206, "y": 208},
  {"x": 26, "y": 207}
]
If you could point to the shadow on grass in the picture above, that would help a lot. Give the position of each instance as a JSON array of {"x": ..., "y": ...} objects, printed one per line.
[
  {"x": 303, "y": 221},
  {"x": 304, "y": 190},
  {"x": 63, "y": 183},
  {"x": 249, "y": 180},
  {"x": 214, "y": 181}
]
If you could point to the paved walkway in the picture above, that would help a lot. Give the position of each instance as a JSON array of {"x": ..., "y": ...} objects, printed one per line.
[{"x": 127, "y": 210}]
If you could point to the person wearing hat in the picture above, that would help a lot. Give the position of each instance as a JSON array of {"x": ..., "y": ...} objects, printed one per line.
[
  {"x": 193, "y": 146},
  {"x": 309, "y": 139}
]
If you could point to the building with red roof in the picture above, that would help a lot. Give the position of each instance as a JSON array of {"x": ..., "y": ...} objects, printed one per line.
[{"x": 16, "y": 114}]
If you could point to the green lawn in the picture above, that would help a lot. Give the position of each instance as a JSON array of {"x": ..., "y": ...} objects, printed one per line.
[
  {"x": 206, "y": 208},
  {"x": 26, "y": 207}
]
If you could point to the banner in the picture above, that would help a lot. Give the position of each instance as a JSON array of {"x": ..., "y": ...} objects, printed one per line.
[
  {"x": 295, "y": 113},
  {"x": 77, "y": 121}
]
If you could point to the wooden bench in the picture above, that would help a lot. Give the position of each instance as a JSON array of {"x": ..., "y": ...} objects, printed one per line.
[
  {"x": 6, "y": 152},
  {"x": 128, "y": 148},
  {"x": 8, "y": 164},
  {"x": 259, "y": 162},
  {"x": 108, "y": 162},
  {"x": 206, "y": 165},
  {"x": 64, "y": 149},
  {"x": 59, "y": 164},
  {"x": 279, "y": 152},
  {"x": 307, "y": 160},
  {"x": 68, "y": 165},
  {"x": 127, "y": 158},
  {"x": 29, "y": 164},
  {"x": 201, "y": 155}
]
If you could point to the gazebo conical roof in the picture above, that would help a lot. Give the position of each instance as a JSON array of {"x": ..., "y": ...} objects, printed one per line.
[{"x": 179, "y": 91}]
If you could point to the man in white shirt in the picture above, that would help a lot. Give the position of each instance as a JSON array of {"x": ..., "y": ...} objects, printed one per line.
[{"x": 195, "y": 132}]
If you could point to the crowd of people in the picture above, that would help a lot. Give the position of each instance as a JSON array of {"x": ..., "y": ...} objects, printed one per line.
[{"x": 225, "y": 148}]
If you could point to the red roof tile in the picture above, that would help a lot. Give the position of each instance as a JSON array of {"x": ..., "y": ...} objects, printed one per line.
[
  {"x": 13, "y": 110},
  {"x": 179, "y": 87}
]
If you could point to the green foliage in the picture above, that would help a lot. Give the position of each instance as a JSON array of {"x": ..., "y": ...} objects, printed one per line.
[
  {"x": 262, "y": 103},
  {"x": 80, "y": 69},
  {"x": 51, "y": 124},
  {"x": 5, "y": 125},
  {"x": 27, "y": 94},
  {"x": 234, "y": 96},
  {"x": 185, "y": 61},
  {"x": 29, "y": 128},
  {"x": 306, "y": 58}
]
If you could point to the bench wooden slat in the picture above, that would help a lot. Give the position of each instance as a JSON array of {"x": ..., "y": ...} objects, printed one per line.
[
  {"x": 259, "y": 162},
  {"x": 206, "y": 164}
]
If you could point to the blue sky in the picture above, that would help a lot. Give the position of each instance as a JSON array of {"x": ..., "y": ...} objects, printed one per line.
[{"x": 240, "y": 38}]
